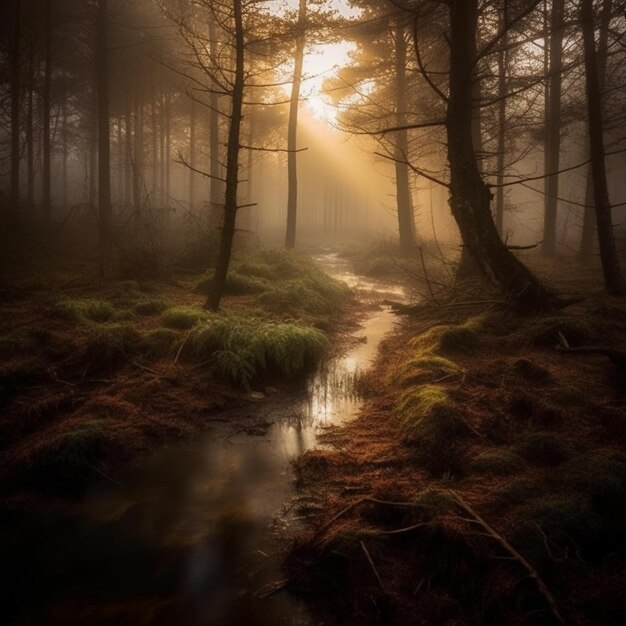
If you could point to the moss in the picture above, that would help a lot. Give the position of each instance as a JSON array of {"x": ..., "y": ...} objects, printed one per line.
[
  {"x": 496, "y": 462},
  {"x": 182, "y": 317},
  {"x": 86, "y": 310},
  {"x": 462, "y": 338},
  {"x": 160, "y": 342},
  {"x": 431, "y": 422},
  {"x": 544, "y": 448},
  {"x": 150, "y": 306}
]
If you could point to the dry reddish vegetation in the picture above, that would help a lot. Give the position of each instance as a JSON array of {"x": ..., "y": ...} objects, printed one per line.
[
  {"x": 484, "y": 482},
  {"x": 94, "y": 375}
]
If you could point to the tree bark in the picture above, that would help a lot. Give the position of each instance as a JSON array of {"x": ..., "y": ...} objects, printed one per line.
[
  {"x": 613, "y": 278},
  {"x": 104, "y": 146},
  {"x": 14, "y": 204},
  {"x": 30, "y": 142},
  {"x": 192, "y": 154},
  {"x": 47, "y": 147},
  {"x": 292, "y": 130},
  {"x": 502, "y": 95},
  {"x": 232, "y": 166},
  {"x": 138, "y": 161},
  {"x": 216, "y": 192},
  {"x": 404, "y": 204},
  {"x": 553, "y": 128},
  {"x": 64, "y": 155},
  {"x": 469, "y": 195},
  {"x": 588, "y": 235}
]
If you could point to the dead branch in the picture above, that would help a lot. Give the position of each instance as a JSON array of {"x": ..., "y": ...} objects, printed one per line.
[
  {"x": 371, "y": 562},
  {"x": 532, "y": 572}
]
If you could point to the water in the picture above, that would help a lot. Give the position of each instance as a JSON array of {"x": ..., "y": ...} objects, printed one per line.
[{"x": 199, "y": 530}]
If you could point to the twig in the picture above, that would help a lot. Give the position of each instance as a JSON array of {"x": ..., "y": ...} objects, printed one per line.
[
  {"x": 371, "y": 562},
  {"x": 182, "y": 345},
  {"x": 532, "y": 572}
]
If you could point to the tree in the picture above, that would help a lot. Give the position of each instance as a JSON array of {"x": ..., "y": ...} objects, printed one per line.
[
  {"x": 104, "y": 160},
  {"x": 613, "y": 277},
  {"x": 553, "y": 126},
  {"x": 292, "y": 130},
  {"x": 470, "y": 197}
]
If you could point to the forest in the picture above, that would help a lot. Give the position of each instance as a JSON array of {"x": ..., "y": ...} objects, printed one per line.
[{"x": 313, "y": 312}]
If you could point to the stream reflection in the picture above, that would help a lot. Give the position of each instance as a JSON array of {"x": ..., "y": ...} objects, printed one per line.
[{"x": 199, "y": 530}]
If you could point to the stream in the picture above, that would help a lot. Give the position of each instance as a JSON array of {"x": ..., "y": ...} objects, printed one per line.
[{"x": 199, "y": 529}]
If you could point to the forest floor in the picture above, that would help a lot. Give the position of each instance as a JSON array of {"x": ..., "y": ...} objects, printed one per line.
[
  {"x": 484, "y": 480},
  {"x": 95, "y": 376}
]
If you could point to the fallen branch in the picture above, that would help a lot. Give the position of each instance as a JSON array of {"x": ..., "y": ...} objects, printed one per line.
[
  {"x": 532, "y": 572},
  {"x": 371, "y": 562}
]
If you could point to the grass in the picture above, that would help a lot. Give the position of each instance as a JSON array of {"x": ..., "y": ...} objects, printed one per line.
[
  {"x": 86, "y": 310},
  {"x": 151, "y": 306},
  {"x": 423, "y": 368},
  {"x": 496, "y": 462},
  {"x": 107, "y": 346},
  {"x": 237, "y": 283},
  {"x": 244, "y": 348},
  {"x": 543, "y": 448},
  {"x": 160, "y": 342},
  {"x": 182, "y": 317}
]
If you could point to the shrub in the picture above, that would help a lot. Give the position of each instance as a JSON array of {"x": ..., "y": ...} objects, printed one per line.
[
  {"x": 86, "y": 310},
  {"x": 182, "y": 317}
]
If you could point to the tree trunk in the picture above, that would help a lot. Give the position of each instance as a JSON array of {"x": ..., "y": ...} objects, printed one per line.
[
  {"x": 588, "y": 235},
  {"x": 232, "y": 167},
  {"x": 216, "y": 196},
  {"x": 64, "y": 155},
  {"x": 104, "y": 146},
  {"x": 155, "y": 147},
  {"x": 613, "y": 278},
  {"x": 553, "y": 128},
  {"x": 404, "y": 204},
  {"x": 14, "y": 203},
  {"x": 47, "y": 148},
  {"x": 292, "y": 130},
  {"x": 167, "y": 161},
  {"x": 30, "y": 143},
  {"x": 138, "y": 162},
  {"x": 469, "y": 195},
  {"x": 192, "y": 154},
  {"x": 128, "y": 134},
  {"x": 502, "y": 95}
]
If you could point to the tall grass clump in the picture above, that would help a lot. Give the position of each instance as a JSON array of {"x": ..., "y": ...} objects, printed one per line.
[
  {"x": 85, "y": 310},
  {"x": 244, "y": 348},
  {"x": 182, "y": 317}
]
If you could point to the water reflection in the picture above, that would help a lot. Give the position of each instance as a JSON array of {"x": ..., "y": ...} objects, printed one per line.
[{"x": 198, "y": 530}]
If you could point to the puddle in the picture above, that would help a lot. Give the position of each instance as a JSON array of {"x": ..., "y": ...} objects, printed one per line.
[{"x": 199, "y": 529}]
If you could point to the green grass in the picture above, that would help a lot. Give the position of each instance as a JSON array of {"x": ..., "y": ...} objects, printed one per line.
[
  {"x": 182, "y": 317},
  {"x": 150, "y": 306},
  {"x": 86, "y": 310},
  {"x": 245, "y": 348},
  {"x": 424, "y": 368},
  {"x": 160, "y": 342},
  {"x": 463, "y": 338},
  {"x": 108, "y": 346}
]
